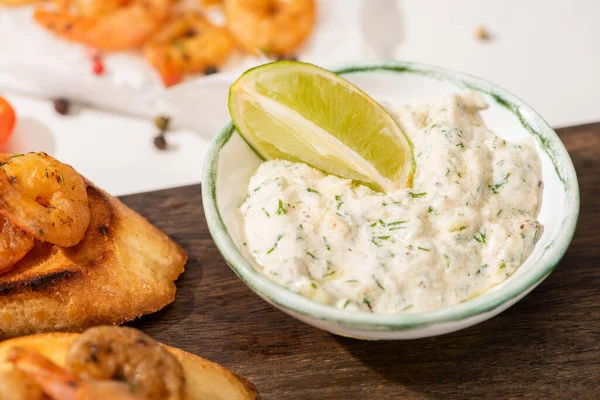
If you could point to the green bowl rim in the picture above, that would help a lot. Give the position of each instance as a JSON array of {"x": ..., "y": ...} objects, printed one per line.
[{"x": 291, "y": 301}]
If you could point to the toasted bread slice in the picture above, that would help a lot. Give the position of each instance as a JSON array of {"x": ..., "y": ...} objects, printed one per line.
[
  {"x": 124, "y": 268},
  {"x": 203, "y": 379}
]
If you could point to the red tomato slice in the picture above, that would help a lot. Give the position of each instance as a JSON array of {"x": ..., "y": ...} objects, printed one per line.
[{"x": 7, "y": 121}]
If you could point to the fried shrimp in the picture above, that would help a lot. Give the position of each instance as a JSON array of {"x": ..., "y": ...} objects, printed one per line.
[
  {"x": 45, "y": 198},
  {"x": 61, "y": 384},
  {"x": 114, "y": 29},
  {"x": 129, "y": 355},
  {"x": 189, "y": 43},
  {"x": 14, "y": 244},
  {"x": 270, "y": 26}
]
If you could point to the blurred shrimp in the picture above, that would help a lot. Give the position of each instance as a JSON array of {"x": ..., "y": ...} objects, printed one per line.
[
  {"x": 88, "y": 8},
  {"x": 210, "y": 3},
  {"x": 121, "y": 28},
  {"x": 270, "y": 26},
  {"x": 109, "y": 352},
  {"x": 61, "y": 384},
  {"x": 189, "y": 43},
  {"x": 45, "y": 198}
]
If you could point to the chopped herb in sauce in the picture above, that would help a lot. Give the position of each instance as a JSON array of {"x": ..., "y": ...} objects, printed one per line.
[
  {"x": 378, "y": 283},
  {"x": 311, "y": 190},
  {"x": 367, "y": 302},
  {"x": 275, "y": 245},
  {"x": 414, "y": 195},
  {"x": 423, "y": 248},
  {"x": 497, "y": 186},
  {"x": 396, "y": 223},
  {"x": 480, "y": 238},
  {"x": 281, "y": 209}
]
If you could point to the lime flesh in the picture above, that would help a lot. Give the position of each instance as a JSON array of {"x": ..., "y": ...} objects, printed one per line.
[{"x": 302, "y": 113}]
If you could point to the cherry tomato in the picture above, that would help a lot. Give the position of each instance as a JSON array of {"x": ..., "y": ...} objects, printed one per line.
[{"x": 7, "y": 121}]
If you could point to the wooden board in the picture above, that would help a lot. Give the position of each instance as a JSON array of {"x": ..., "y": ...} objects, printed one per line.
[{"x": 546, "y": 346}]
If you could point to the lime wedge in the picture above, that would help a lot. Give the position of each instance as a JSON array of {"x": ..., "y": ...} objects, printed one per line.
[{"x": 300, "y": 112}]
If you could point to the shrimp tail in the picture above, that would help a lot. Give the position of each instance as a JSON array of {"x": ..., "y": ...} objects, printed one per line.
[
  {"x": 169, "y": 73},
  {"x": 54, "y": 380}
]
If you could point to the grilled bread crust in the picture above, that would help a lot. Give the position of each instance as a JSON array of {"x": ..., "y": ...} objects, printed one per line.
[{"x": 124, "y": 268}]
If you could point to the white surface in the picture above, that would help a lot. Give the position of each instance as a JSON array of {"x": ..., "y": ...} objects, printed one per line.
[
  {"x": 114, "y": 151},
  {"x": 544, "y": 51}
]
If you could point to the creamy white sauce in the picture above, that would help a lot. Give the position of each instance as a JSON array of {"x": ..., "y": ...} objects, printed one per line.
[{"x": 467, "y": 224}]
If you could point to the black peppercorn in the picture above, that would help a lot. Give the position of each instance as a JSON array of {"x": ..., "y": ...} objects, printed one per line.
[
  {"x": 62, "y": 105},
  {"x": 160, "y": 142},
  {"x": 210, "y": 71}
]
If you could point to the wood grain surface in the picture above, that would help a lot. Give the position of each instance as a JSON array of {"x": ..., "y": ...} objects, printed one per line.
[{"x": 546, "y": 346}]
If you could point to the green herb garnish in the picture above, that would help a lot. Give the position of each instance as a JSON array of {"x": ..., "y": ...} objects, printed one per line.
[
  {"x": 497, "y": 186},
  {"x": 396, "y": 223},
  {"x": 413, "y": 195},
  {"x": 481, "y": 238},
  {"x": 281, "y": 209},
  {"x": 10, "y": 158},
  {"x": 275, "y": 245},
  {"x": 311, "y": 190}
]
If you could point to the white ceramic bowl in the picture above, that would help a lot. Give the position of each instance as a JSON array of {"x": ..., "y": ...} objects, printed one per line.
[{"x": 230, "y": 162}]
